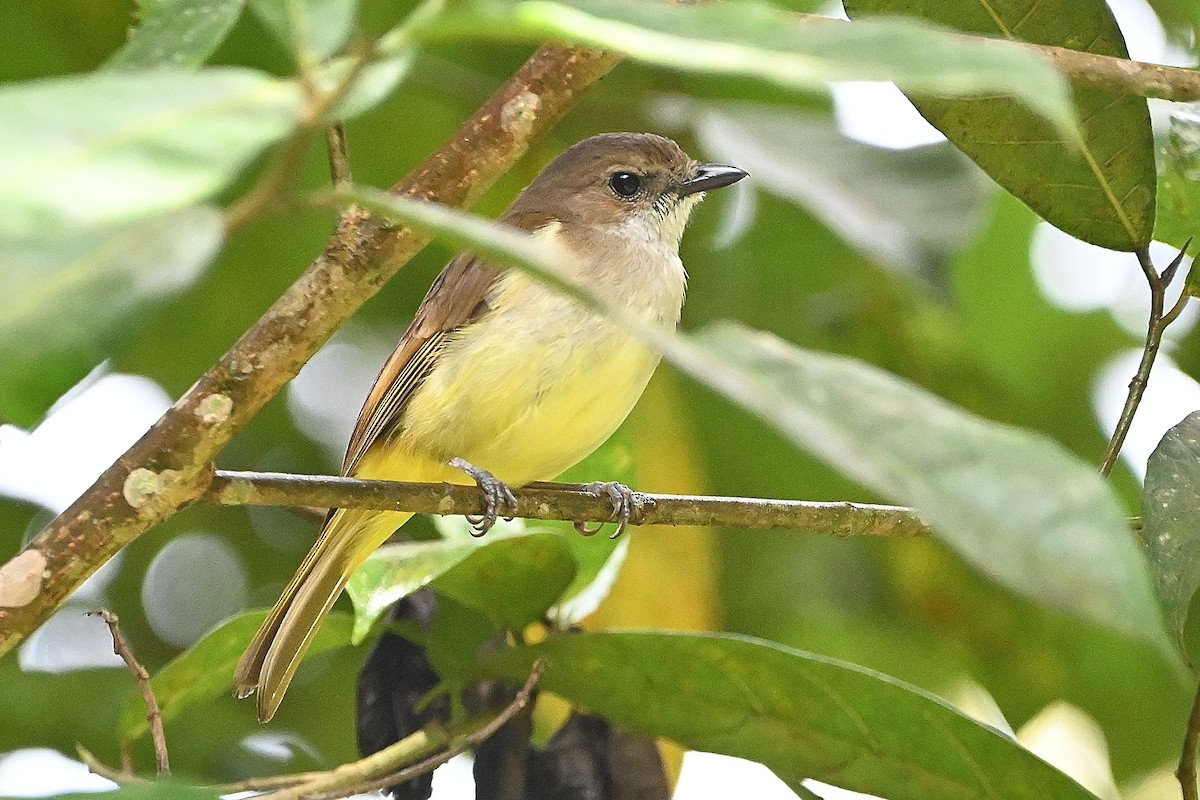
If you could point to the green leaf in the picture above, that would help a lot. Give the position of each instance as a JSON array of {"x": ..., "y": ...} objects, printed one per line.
[
  {"x": 311, "y": 29},
  {"x": 1179, "y": 184},
  {"x": 802, "y": 715},
  {"x": 1014, "y": 504},
  {"x": 755, "y": 39},
  {"x": 205, "y": 670},
  {"x": 70, "y": 295},
  {"x": 1171, "y": 516},
  {"x": 1096, "y": 183},
  {"x": 371, "y": 87},
  {"x": 180, "y": 34},
  {"x": 129, "y": 145},
  {"x": 512, "y": 579},
  {"x": 912, "y": 210},
  {"x": 150, "y": 790}
]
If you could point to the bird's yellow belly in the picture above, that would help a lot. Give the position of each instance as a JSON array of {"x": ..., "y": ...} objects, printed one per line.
[{"x": 540, "y": 401}]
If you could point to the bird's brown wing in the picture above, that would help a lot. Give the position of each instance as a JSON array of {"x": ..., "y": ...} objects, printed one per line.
[{"x": 457, "y": 297}]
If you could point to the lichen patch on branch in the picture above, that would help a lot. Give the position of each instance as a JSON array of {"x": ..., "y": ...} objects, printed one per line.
[
  {"x": 21, "y": 579},
  {"x": 519, "y": 113},
  {"x": 215, "y": 408}
]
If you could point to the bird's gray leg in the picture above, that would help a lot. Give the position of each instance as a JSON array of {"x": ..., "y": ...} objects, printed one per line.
[
  {"x": 496, "y": 495},
  {"x": 625, "y": 503}
]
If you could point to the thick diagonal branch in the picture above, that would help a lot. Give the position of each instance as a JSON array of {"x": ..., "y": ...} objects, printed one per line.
[{"x": 171, "y": 465}]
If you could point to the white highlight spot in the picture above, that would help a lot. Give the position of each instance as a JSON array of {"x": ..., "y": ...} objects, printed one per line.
[
  {"x": 41, "y": 772},
  {"x": 192, "y": 584},
  {"x": 69, "y": 640},
  {"x": 877, "y": 113},
  {"x": 84, "y": 432}
]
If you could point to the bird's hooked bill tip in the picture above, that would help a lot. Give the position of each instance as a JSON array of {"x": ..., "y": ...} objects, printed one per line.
[{"x": 711, "y": 176}]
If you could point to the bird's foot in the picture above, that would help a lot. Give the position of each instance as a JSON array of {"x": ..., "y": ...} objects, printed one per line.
[
  {"x": 496, "y": 497},
  {"x": 626, "y": 503}
]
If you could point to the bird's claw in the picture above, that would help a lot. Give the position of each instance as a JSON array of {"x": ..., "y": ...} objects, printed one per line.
[
  {"x": 626, "y": 503},
  {"x": 496, "y": 496}
]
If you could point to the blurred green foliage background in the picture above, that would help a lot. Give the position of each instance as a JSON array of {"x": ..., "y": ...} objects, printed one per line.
[{"x": 960, "y": 313}]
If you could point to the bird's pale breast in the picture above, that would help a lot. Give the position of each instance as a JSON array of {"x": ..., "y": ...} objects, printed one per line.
[{"x": 538, "y": 383}]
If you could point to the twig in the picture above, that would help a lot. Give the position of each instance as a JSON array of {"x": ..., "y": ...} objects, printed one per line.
[
  {"x": 142, "y": 677},
  {"x": 284, "y": 169},
  {"x": 339, "y": 157},
  {"x": 467, "y": 742},
  {"x": 121, "y": 777},
  {"x": 267, "y": 782},
  {"x": 565, "y": 502},
  {"x": 1157, "y": 324},
  {"x": 1186, "y": 771},
  {"x": 170, "y": 466},
  {"x": 380, "y": 769}
]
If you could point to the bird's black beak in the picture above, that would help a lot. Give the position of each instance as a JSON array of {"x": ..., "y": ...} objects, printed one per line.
[{"x": 711, "y": 176}]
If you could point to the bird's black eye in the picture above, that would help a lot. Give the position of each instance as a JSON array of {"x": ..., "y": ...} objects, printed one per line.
[{"x": 625, "y": 184}]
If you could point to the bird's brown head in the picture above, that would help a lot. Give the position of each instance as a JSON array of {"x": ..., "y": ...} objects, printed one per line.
[{"x": 641, "y": 182}]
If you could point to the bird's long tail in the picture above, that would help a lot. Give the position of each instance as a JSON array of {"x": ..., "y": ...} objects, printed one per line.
[{"x": 274, "y": 654}]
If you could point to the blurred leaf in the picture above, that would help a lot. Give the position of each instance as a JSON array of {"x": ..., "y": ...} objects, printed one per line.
[
  {"x": 802, "y": 715},
  {"x": 311, "y": 29},
  {"x": 371, "y": 87},
  {"x": 512, "y": 579},
  {"x": 757, "y": 40},
  {"x": 1097, "y": 184},
  {"x": 205, "y": 670},
  {"x": 911, "y": 210},
  {"x": 181, "y": 34},
  {"x": 150, "y": 790},
  {"x": 68, "y": 294},
  {"x": 127, "y": 145},
  {"x": 1179, "y": 184},
  {"x": 1013, "y": 503},
  {"x": 1171, "y": 515}
]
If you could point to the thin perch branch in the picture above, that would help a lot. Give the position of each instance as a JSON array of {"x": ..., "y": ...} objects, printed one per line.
[
  {"x": 170, "y": 466},
  {"x": 565, "y": 502},
  {"x": 142, "y": 677}
]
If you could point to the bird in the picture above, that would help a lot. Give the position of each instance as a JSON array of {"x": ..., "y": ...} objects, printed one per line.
[{"x": 502, "y": 380}]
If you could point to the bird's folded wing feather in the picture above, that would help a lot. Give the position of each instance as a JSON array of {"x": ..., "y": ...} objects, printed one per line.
[{"x": 457, "y": 297}]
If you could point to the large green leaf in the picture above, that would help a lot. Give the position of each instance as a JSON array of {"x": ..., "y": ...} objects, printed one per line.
[
  {"x": 180, "y": 34},
  {"x": 758, "y": 40},
  {"x": 511, "y": 579},
  {"x": 311, "y": 29},
  {"x": 1097, "y": 183},
  {"x": 802, "y": 715},
  {"x": 1015, "y": 504},
  {"x": 69, "y": 297},
  {"x": 1171, "y": 514},
  {"x": 205, "y": 670},
  {"x": 129, "y": 145}
]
